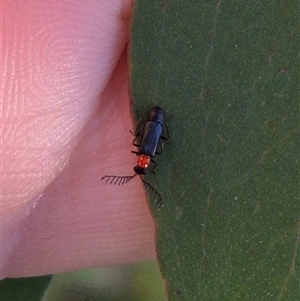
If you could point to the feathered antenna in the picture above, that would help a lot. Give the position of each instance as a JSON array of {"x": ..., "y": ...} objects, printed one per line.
[
  {"x": 119, "y": 180},
  {"x": 152, "y": 191}
]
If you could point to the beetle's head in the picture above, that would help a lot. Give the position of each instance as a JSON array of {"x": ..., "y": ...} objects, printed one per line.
[{"x": 140, "y": 170}]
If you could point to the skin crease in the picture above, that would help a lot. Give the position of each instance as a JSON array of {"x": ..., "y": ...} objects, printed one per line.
[{"x": 65, "y": 123}]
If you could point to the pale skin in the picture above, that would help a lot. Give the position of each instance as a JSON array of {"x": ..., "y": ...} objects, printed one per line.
[{"x": 65, "y": 123}]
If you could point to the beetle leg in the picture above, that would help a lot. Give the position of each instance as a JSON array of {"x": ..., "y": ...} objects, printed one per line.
[
  {"x": 153, "y": 161},
  {"x": 135, "y": 144},
  {"x": 167, "y": 132},
  {"x": 159, "y": 152}
]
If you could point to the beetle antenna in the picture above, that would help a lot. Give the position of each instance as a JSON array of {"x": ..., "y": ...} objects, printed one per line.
[
  {"x": 154, "y": 192},
  {"x": 119, "y": 180}
]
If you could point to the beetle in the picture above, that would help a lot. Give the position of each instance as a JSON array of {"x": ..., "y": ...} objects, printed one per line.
[{"x": 148, "y": 139}]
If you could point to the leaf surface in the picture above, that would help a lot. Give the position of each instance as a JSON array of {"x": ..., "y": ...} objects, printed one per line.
[
  {"x": 24, "y": 289},
  {"x": 227, "y": 75}
]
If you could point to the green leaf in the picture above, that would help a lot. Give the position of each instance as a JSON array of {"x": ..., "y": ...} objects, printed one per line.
[
  {"x": 133, "y": 282},
  {"x": 23, "y": 289},
  {"x": 227, "y": 75}
]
